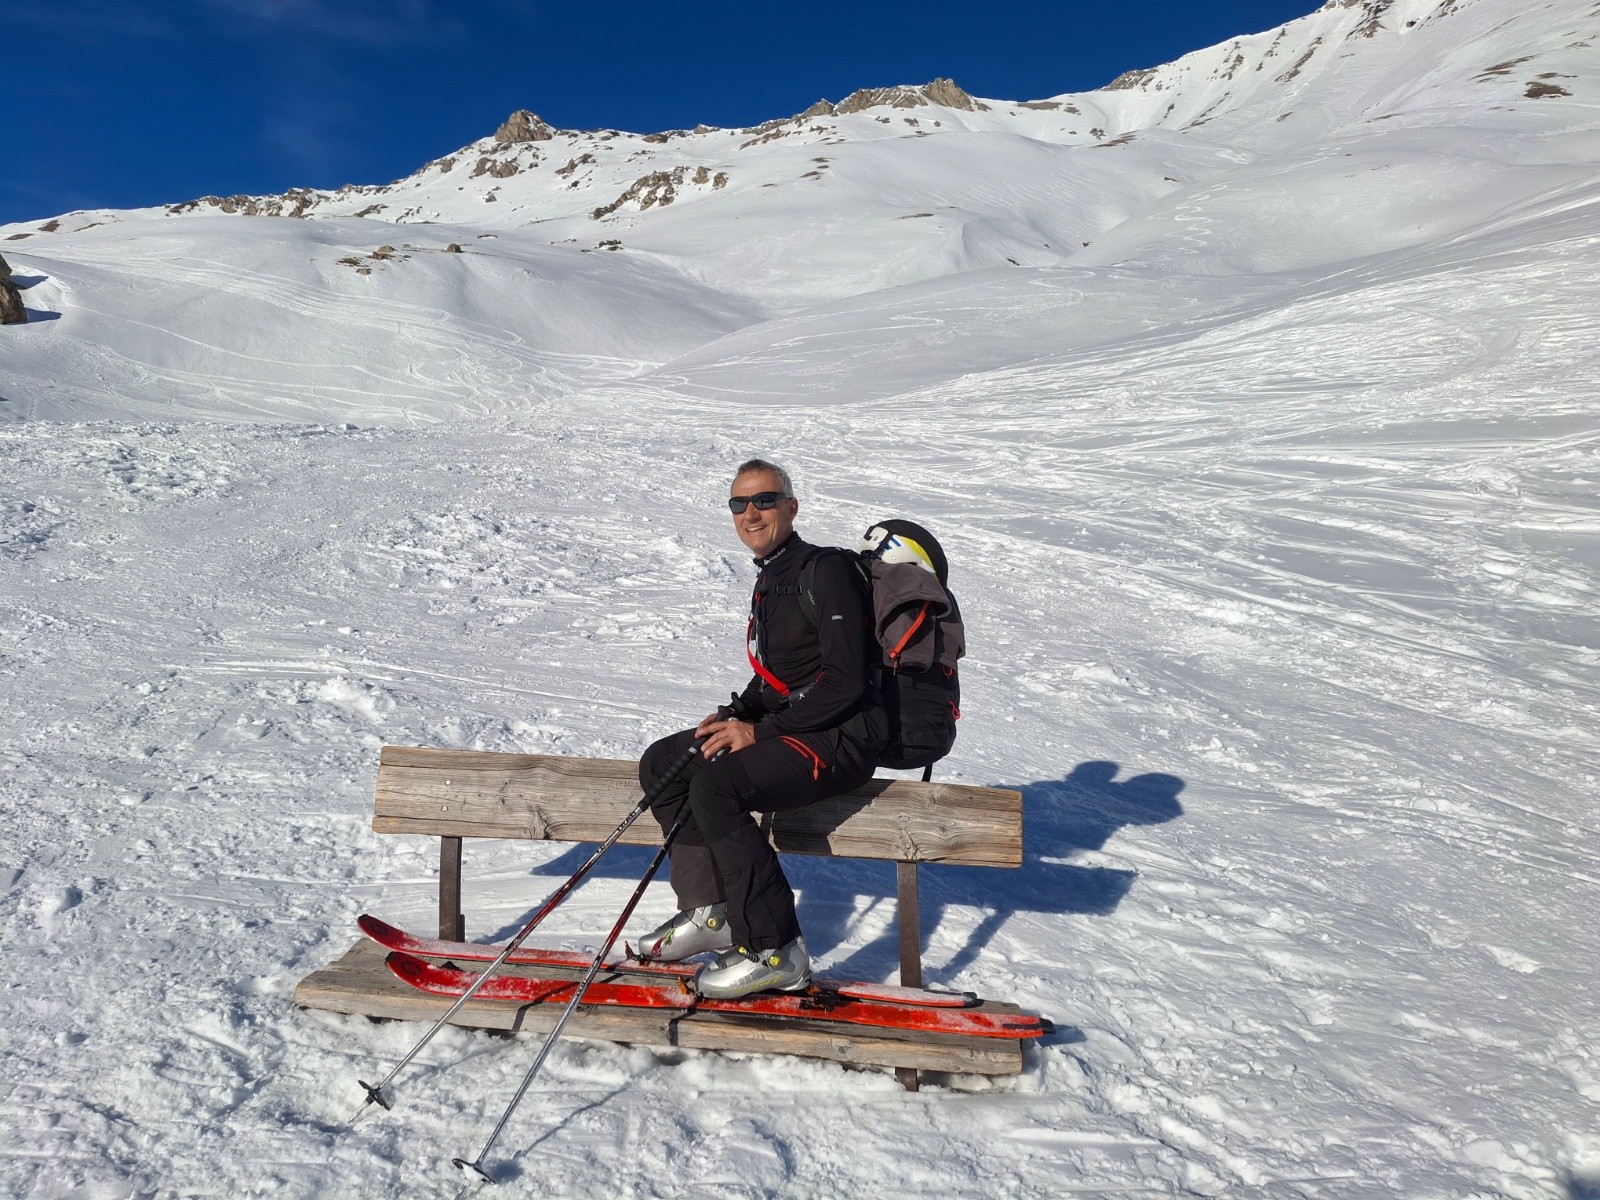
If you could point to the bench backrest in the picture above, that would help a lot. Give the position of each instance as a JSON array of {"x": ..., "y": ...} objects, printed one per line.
[{"x": 469, "y": 793}]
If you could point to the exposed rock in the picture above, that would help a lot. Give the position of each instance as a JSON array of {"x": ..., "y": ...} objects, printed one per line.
[
  {"x": 947, "y": 93},
  {"x": 296, "y": 202},
  {"x": 5, "y": 270},
  {"x": 11, "y": 310},
  {"x": 50, "y": 227},
  {"x": 1129, "y": 80},
  {"x": 1372, "y": 10},
  {"x": 1537, "y": 90},
  {"x": 660, "y": 188},
  {"x": 453, "y": 248},
  {"x": 1300, "y": 62},
  {"x": 1504, "y": 68},
  {"x": 822, "y": 108},
  {"x": 523, "y": 126},
  {"x": 574, "y": 163},
  {"x": 940, "y": 91},
  {"x": 500, "y": 169}
]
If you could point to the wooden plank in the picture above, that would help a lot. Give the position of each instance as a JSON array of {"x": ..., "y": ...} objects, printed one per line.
[
  {"x": 452, "y": 923},
  {"x": 910, "y": 922},
  {"x": 359, "y": 984},
  {"x": 468, "y": 793}
]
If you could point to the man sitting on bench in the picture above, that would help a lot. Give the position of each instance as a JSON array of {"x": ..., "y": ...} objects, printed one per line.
[{"x": 809, "y": 725}]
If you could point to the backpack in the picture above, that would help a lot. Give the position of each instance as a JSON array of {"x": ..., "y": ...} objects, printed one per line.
[{"x": 917, "y": 625}]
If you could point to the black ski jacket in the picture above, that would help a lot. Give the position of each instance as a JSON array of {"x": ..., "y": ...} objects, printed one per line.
[{"x": 810, "y": 675}]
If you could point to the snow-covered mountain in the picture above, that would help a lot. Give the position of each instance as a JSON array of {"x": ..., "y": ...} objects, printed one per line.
[
  {"x": 1363, "y": 128},
  {"x": 1252, "y": 397}
]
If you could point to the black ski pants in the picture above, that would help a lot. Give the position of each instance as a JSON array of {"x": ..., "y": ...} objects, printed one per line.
[{"x": 721, "y": 855}]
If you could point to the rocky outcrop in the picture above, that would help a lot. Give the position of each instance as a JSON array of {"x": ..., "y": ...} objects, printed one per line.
[
  {"x": 661, "y": 188},
  {"x": 296, "y": 202},
  {"x": 523, "y": 126},
  {"x": 1129, "y": 80},
  {"x": 944, "y": 92},
  {"x": 499, "y": 169},
  {"x": 11, "y": 310}
]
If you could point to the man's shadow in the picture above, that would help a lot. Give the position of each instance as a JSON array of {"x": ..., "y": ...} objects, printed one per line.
[{"x": 1061, "y": 819}]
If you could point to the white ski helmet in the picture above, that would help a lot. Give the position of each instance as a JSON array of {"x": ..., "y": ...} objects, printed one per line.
[{"x": 897, "y": 541}]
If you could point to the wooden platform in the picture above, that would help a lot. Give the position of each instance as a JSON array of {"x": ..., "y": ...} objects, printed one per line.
[{"x": 360, "y": 984}]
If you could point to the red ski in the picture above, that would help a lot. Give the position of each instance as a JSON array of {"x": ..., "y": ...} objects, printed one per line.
[
  {"x": 391, "y": 938},
  {"x": 815, "y": 1004}
]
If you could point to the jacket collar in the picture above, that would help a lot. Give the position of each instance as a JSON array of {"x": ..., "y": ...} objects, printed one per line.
[{"x": 789, "y": 543}]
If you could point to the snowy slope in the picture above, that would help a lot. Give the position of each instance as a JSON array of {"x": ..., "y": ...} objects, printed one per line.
[
  {"x": 1272, "y": 511},
  {"x": 1394, "y": 124}
]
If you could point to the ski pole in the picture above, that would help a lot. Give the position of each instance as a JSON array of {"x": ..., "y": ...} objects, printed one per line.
[
  {"x": 375, "y": 1091},
  {"x": 572, "y": 1005}
]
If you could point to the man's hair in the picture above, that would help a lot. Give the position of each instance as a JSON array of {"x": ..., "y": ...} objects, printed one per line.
[{"x": 761, "y": 464}]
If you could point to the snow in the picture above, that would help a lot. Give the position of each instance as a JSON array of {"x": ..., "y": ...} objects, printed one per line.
[{"x": 1272, "y": 512}]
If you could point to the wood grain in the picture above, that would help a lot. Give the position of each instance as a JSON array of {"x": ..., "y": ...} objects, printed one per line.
[
  {"x": 359, "y": 984},
  {"x": 468, "y": 793}
]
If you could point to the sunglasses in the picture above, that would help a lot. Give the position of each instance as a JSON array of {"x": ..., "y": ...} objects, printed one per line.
[{"x": 762, "y": 500}]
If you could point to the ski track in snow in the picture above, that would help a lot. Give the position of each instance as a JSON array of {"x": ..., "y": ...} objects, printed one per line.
[
  {"x": 1273, "y": 516},
  {"x": 1325, "y": 935}
]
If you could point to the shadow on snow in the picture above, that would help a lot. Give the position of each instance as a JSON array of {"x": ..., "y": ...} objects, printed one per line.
[{"x": 1061, "y": 818}]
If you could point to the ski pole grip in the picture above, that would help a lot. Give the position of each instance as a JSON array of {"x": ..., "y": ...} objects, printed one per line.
[{"x": 684, "y": 759}]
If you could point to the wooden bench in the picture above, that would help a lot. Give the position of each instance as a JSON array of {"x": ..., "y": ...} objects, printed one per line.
[{"x": 458, "y": 794}]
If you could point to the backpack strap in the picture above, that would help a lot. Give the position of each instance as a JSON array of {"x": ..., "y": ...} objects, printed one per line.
[{"x": 808, "y": 579}]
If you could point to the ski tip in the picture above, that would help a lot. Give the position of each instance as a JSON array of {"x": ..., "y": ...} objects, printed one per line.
[
  {"x": 405, "y": 967},
  {"x": 374, "y": 927}
]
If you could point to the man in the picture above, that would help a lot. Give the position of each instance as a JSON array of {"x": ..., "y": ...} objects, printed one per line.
[{"x": 808, "y": 725}]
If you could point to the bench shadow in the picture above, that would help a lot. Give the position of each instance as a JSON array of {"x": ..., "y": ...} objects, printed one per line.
[{"x": 1061, "y": 819}]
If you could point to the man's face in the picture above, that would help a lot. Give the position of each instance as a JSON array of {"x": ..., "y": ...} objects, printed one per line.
[{"x": 762, "y": 530}]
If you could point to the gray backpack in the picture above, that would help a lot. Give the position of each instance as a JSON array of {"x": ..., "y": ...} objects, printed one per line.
[{"x": 920, "y": 637}]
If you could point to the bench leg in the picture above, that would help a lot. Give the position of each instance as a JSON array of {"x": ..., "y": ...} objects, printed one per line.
[
  {"x": 910, "y": 917},
  {"x": 452, "y": 925}
]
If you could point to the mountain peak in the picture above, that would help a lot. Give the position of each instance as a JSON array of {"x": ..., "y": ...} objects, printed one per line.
[
  {"x": 523, "y": 126},
  {"x": 945, "y": 92}
]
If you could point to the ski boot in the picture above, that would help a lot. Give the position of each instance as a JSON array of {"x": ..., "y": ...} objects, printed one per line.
[
  {"x": 741, "y": 972},
  {"x": 693, "y": 931}
]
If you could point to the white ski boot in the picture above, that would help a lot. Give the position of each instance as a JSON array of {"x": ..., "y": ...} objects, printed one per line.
[
  {"x": 741, "y": 972},
  {"x": 693, "y": 931}
]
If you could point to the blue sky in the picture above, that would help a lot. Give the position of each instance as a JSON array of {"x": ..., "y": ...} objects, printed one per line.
[{"x": 121, "y": 103}]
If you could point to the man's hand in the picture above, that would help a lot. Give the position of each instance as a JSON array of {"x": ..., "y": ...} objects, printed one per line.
[{"x": 721, "y": 735}]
